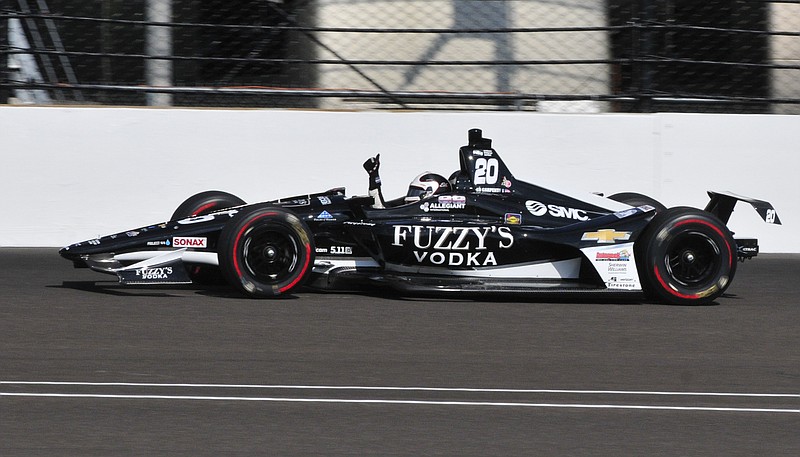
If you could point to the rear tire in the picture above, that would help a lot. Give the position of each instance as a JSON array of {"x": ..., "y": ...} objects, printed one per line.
[
  {"x": 265, "y": 251},
  {"x": 634, "y": 199},
  {"x": 686, "y": 256}
]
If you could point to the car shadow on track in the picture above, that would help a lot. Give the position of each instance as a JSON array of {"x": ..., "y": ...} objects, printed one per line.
[
  {"x": 113, "y": 288},
  {"x": 538, "y": 298},
  {"x": 224, "y": 292},
  {"x": 603, "y": 298}
]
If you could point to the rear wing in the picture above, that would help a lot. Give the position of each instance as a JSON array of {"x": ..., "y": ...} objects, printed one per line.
[{"x": 722, "y": 203}]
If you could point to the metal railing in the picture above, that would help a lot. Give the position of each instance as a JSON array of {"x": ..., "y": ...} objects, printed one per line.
[{"x": 736, "y": 56}]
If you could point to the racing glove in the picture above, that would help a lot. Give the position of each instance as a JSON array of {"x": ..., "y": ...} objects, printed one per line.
[{"x": 371, "y": 166}]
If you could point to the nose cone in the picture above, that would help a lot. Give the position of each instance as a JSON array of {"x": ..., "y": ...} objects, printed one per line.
[
  {"x": 73, "y": 254},
  {"x": 75, "y": 251},
  {"x": 69, "y": 252}
]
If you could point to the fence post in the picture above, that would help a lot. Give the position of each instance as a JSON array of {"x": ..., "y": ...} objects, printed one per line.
[
  {"x": 644, "y": 102},
  {"x": 158, "y": 43},
  {"x": 4, "y": 48}
]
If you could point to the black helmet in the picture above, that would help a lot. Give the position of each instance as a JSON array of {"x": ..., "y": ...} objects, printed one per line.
[{"x": 425, "y": 185}]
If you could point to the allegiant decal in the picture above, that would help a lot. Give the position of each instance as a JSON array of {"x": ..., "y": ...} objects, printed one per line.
[{"x": 441, "y": 245}]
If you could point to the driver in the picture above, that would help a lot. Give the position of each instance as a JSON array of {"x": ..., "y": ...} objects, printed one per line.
[
  {"x": 422, "y": 186},
  {"x": 425, "y": 185}
]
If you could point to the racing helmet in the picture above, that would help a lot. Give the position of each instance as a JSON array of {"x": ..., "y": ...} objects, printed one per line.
[{"x": 425, "y": 185}]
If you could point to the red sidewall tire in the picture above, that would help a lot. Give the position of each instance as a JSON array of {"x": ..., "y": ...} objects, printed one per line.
[
  {"x": 266, "y": 251},
  {"x": 686, "y": 256},
  {"x": 204, "y": 203}
]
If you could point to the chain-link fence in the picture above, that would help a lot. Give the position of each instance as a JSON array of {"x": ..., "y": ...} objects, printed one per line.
[{"x": 546, "y": 55}]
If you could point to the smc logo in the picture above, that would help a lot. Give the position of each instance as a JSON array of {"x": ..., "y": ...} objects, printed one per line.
[
  {"x": 536, "y": 208},
  {"x": 190, "y": 242},
  {"x": 540, "y": 209}
]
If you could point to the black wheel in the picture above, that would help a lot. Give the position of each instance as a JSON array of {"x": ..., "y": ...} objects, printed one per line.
[
  {"x": 265, "y": 251},
  {"x": 634, "y": 199},
  {"x": 198, "y": 205},
  {"x": 204, "y": 203},
  {"x": 686, "y": 256}
]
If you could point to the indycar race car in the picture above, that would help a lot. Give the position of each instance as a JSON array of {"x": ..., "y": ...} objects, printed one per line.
[{"x": 481, "y": 230}]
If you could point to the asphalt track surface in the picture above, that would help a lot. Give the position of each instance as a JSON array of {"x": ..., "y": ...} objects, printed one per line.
[{"x": 89, "y": 368}]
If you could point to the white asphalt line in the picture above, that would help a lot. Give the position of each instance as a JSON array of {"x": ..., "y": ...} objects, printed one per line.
[
  {"x": 129, "y": 396},
  {"x": 402, "y": 402},
  {"x": 403, "y": 389}
]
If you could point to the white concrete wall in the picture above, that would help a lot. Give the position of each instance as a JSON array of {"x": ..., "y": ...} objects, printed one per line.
[{"x": 68, "y": 174}]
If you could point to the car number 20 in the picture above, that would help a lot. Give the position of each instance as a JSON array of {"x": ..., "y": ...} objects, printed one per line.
[{"x": 486, "y": 171}]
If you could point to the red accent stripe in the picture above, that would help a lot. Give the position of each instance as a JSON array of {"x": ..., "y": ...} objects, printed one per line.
[
  {"x": 204, "y": 207},
  {"x": 303, "y": 273},
  {"x": 670, "y": 289}
]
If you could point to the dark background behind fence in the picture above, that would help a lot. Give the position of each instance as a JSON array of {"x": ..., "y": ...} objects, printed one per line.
[{"x": 733, "y": 56}]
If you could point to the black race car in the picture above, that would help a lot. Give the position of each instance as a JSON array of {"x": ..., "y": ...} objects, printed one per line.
[{"x": 481, "y": 230}]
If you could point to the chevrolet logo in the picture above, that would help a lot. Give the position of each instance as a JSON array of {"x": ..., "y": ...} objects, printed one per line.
[{"x": 606, "y": 236}]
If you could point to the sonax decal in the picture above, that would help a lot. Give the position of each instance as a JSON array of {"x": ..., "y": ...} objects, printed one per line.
[{"x": 190, "y": 242}]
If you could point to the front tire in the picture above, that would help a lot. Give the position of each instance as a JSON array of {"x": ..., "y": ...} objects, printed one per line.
[
  {"x": 265, "y": 251},
  {"x": 686, "y": 256}
]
